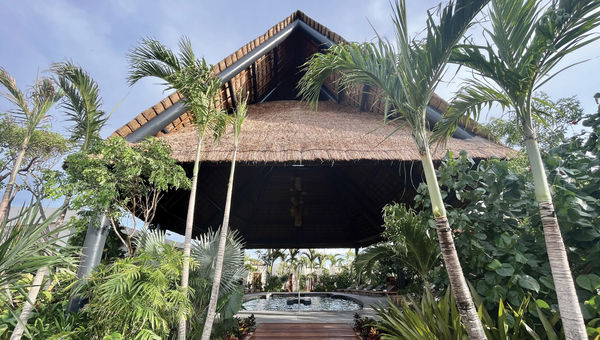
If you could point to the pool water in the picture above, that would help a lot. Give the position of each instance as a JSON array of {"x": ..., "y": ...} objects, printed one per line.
[{"x": 318, "y": 303}]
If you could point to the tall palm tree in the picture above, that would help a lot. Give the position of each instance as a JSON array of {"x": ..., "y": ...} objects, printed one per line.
[
  {"x": 81, "y": 103},
  {"x": 238, "y": 119},
  {"x": 291, "y": 257},
  {"x": 269, "y": 257},
  {"x": 31, "y": 113},
  {"x": 192, "y": 78},
  {"x": 529, "y": 39},
  {"x": 407, "y": 74},
  {"x": 312, "y": 257}
]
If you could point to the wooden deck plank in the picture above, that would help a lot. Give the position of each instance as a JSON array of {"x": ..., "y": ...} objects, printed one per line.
[{"x": 303, "y": 331}]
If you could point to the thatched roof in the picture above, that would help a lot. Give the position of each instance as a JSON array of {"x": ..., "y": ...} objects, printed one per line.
[
  {"x": 290, "y": 131},
  {"x": 352, "y": 164},
  {"x": 274, "y": 77}
]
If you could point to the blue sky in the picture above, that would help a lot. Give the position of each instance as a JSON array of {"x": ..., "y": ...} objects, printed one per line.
[{"x": 98, "y": 34}]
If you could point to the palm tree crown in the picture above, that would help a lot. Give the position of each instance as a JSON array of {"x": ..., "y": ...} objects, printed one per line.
[
  {"x": 528, "y": 39},
  {"x": 407, "y": 74}
]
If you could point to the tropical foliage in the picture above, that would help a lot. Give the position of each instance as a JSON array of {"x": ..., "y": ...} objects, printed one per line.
[
  {"x": 526, "y": 42},
  {"x": 410, "y": 250},
  {"x": 204, "y": 255},
  {"x": 138, "y": 297},
  {"x": 406, "y": 73},
  {"x": 30, "y": 109},
  {"x": 27, "y": 244},
  {"x": 121, "y": 180},
  {"x": 430, "y": 318},
  {"x": 193, "y": 79},
  {"x": 561, "y": 120},
  {"x": 499, "y": 234}
]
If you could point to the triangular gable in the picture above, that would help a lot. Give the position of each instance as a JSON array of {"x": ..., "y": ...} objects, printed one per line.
[{"x": 262, "y": 78}]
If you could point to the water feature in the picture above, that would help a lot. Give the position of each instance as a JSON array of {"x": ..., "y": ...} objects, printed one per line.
[{"x": 319, "y": 302}]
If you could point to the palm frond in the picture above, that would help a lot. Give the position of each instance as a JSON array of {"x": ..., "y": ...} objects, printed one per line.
[
  {"x": 150, "y": 58},
  {"x": 366, "y": 260},
  {"x": 151, "y": 242},
  {"x": 14, "y": 94},
  {"x": 204, "y": 253},
  {"x": 526, "y": 42},
  {"x": 407, "y": 73},
  {"x": 468, "y": 103},
  {"x": 82, "y": 102},
  {"x": 565, "y": 27},
  {"x": 29, "y": 243},
  {"x": 186, "y": 53}
]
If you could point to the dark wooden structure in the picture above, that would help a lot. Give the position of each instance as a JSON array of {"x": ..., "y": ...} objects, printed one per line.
[
  {"x": 305, "y": 179},
  {"x": 298, "y": 331}
]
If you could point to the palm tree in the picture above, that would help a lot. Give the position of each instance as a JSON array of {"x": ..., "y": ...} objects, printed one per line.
[
  {"x": 312, "y": 258},
  {"x": 192, "y": 78},
  {"x": 82, "y": 104},
  {"x": 238, "y": 120},
  {"x": 408, "y": 244},
  {"x": 32, "y": 113},
  {"x": 407, "y": 75},
  {"x": 29, "y": 245},
  {"x": 529, "y": 39},
  {"x": 334, "y": 260},
  {"x": 269, "y": 257},
  {"x": 204, "y": 255},
  {"x": 291, "y": 257}
]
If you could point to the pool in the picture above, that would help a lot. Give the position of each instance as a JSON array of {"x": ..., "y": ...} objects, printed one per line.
[{"x": 318, "y": 302}]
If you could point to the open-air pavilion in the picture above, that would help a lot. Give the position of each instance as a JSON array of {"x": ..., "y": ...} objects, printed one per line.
[{"x": 305, "y": 178}]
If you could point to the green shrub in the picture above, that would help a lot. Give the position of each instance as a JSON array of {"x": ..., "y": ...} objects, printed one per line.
[
  {"x": 138, "y": 297},
  {"x": 331, "y": 282},
  {"x": 438, "y": 318},
  {"x": 274, "y": 283}
]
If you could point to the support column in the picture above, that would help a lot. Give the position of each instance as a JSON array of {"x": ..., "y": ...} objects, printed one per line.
[{"x": 93, "y": 246}]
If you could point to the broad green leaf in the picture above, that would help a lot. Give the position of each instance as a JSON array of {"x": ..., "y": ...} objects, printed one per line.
[
  {"x": 529, "y": 283},
  {"x": 495, "y": 264},
  {"x": 550, "y": 333},
  {"x": 589, "y": 282},
  {"x": 505, "y": 270},
  {"x": 547, "y": 281},
  {"x": 542, "y": 304},
  {"x": 520, "y": 258}
]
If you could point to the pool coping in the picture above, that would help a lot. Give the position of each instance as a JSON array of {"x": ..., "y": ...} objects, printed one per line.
[{"x": 314, "y": 316}]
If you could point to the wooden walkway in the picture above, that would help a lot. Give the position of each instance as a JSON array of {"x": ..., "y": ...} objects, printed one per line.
[{"x": 294, "y": 331}]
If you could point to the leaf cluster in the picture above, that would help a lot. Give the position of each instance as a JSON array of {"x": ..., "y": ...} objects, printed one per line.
[
  {"x": 191, "y": 77},
  {"x": 406, "y": 71},
  {"x": 27, "y": 244},
  {"x": 138, "y": 297},
  {"x": 428, "y": 317},
  {"x": 204, "y": 255},
  {"x": 498, "y": 232},
  {"x": 525, "y": 43},
  {"x": 117, "y": 173}
]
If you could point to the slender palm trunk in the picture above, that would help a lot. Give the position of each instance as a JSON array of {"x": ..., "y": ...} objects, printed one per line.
[
  {"x": 4, "y": 205},
  {"x": 36, "y": 285},
  {"x": 458, "y": 284},
  {"x": 189, "y": 224},
  {"x": 214, "y": 293},
  {"x": 568, "y": 304}
]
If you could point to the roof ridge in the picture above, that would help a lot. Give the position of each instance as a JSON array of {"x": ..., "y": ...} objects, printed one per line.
[
  {"x": 223, "y": 64},
  {"x": 436, "y": 102}
]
